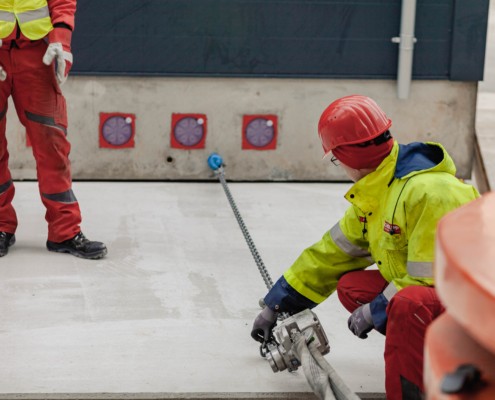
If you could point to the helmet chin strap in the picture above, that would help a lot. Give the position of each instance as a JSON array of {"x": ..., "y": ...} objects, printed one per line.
[{"x": 384, "y": 137}]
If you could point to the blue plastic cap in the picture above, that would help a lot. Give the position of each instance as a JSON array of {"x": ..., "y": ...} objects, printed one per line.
[{"x": 215, "y": 161}]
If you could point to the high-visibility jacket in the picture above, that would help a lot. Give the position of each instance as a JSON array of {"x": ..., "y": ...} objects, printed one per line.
[
  {"x": 35, "y": 18},
  {"x": 392, "y": 222}
]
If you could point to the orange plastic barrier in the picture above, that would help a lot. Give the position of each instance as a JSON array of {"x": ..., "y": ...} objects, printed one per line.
[
  {"x": 465, "y": 280},
  {"x": 448, "y": 347}
]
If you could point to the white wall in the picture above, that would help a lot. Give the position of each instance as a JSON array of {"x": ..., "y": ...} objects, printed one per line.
[{"x": 441, "y": 111}]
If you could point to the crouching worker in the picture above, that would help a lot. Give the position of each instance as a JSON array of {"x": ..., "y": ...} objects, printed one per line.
[{"x": 399, "y": 195}]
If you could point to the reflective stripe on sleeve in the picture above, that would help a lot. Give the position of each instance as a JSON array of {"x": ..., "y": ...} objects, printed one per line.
[
  {"x": 345, "y": 245},
  {"x": 7, "y": 16},
  {"x": 420, "y": 269},
  {"x": 390, "y": 291},
  {"x": 33, "y": 15}
]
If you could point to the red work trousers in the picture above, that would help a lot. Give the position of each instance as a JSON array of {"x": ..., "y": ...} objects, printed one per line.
[
  {"x": 41, "y": 108},
  {"x": 409, "y": 313}
]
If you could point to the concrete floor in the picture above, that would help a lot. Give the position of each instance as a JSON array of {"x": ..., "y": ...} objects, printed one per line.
[{"x": 169, "y": 311}]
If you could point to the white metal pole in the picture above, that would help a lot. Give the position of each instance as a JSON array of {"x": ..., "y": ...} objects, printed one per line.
[{"x": 406, "y": 48}]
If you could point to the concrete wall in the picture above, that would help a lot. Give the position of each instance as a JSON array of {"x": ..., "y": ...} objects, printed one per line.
[{"x": 441, "y": 111}]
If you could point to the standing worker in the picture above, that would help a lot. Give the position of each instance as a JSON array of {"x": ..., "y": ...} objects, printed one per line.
[
  {"x": 35, "y": 59},
  {"x": 399, "y": 195}
]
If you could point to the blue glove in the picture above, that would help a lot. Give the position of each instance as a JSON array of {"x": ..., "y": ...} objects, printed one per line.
[
  {"x": 360, "y": 322},
  {"x": 263, "y": 325}
]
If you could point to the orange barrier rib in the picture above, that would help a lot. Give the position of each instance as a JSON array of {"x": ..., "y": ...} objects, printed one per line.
[{"x": 465, "y": 281}]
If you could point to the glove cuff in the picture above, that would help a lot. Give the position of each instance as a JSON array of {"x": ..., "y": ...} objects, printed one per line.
[
  {"x": 378, "y": 309},
  {"x": 61, "y": 35},
  {"x": 284, "y": 298},
  {"x": 269, "y": 314},
  {"x": 367, "y": 313}
]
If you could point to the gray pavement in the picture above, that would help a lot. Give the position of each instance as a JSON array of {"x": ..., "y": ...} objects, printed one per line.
[{"x": 169, "y": 311}]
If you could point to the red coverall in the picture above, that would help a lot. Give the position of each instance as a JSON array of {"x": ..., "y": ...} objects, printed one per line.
[
  {"x": 409, "y": 313},
  {"x": 41, "y": 108}
]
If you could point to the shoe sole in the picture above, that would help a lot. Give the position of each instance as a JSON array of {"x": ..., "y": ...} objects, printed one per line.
[{"x": 88, "y": 256}]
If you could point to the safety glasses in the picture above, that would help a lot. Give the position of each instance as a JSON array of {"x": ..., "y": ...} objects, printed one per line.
[{"x": 335, "y": 161}]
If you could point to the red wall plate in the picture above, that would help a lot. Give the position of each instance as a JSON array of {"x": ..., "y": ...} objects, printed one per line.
[
  {"x": 117, "y": 130},
  {"x": 188, "y": 131},
  {"x": 259, "y": 132}
]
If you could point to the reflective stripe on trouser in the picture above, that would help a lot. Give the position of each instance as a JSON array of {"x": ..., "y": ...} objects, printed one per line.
[
  {"x": 409, "y": 313},
  {"x": 41, "y": 109}
]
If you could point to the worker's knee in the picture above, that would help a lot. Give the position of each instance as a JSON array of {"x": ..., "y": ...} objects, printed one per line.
[
  {"x": 347, "y": 293},
  {"x": 359, "y": 287},
  {"x": 345, "y": 284},
  {"x": 413, "y": 305}
]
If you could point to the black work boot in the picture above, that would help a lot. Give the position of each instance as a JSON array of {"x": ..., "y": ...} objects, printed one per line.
[
  {"x": 79, "y": 246},
  {"x": 6, "y": 240}
]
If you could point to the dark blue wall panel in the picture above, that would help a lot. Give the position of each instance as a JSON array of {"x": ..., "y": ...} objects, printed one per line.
[
  {"x": 289, "y": 38},
  {"x": 469, "y": 40}
]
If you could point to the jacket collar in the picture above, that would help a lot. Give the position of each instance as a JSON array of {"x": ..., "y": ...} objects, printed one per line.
[
  {"x": 366, "y": 192},
  {"x": 415, "y": 158},
  {"x": 403, "y": 162}
]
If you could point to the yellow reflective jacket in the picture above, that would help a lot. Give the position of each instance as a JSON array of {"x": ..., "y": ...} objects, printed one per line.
[
  {"x": 391, "y": 222},
  {"x": 33, "y": 17}
]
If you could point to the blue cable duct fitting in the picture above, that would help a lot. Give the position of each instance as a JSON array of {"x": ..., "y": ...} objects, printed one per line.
[{"x": 215, "y": 161}]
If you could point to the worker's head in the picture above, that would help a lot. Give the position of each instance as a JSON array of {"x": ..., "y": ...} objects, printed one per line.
[{"x": 354, "y": 129}]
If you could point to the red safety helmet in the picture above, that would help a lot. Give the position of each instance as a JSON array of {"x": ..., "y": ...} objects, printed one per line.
[{"x": 351, "y": 120}]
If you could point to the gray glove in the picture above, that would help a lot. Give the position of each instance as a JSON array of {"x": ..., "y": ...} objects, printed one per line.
[
  {"x": 360, "y": 321},
  {"x": 263, "y": 325}
]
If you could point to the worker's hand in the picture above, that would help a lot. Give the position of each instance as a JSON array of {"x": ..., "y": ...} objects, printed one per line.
[
  {"x": 263, "y": 325},
  {"x": 59, "y": 50},
  {"x": 360, "y": 321}
]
